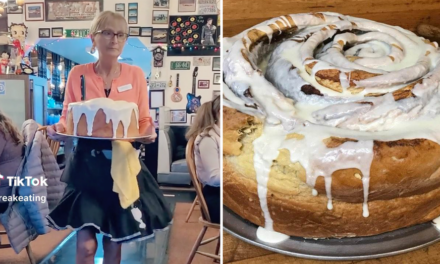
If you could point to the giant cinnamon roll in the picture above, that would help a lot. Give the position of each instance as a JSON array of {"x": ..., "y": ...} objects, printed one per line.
[{"x": 331, "y": 126}]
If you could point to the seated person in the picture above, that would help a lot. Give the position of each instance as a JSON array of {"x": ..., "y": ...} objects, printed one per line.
[
  {"x": 11, "y": 150},
  {"x": 206, "y": 131}
]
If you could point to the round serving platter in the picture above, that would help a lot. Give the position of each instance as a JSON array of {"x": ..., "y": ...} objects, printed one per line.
[
  {"x": 100, "y": 138},
  {"x": 383, "y": 245}
]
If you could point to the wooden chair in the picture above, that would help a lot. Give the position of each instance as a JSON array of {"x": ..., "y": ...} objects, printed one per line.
[
  {"x": 205, "y": 218},
  {"x": 28, "y": 249},
  {"x": 54, "y": 145},
  {"x": 191, "y": 210}
]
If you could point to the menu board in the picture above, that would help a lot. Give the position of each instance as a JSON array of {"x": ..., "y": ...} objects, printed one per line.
[{"x": 194, "y": 30}]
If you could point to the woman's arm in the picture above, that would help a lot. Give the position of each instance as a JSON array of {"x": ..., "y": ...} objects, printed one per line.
[
  {"x": 146, "y": 126},
  {"x": 210, "y": 159},
  {"x": 69, "y": 95}
]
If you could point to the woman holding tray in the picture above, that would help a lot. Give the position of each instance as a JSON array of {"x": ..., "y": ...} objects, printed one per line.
[{"x": 89, "y": 204}]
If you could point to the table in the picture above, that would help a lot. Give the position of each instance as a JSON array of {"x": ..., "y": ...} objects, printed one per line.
[{"x": 238, "y": 252}]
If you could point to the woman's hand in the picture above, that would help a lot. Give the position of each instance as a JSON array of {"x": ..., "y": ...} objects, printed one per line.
[{"x": 52, "y": 132}]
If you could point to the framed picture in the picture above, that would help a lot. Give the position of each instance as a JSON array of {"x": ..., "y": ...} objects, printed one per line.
[
  {"x": 159, "y": 35},
  {"x": 44, "y": 32},
  {"x": 133, "y": 20},
  {"x": 134, "y": 31},
  {"x": 34, "y": 11},
  {"x": 215, "y": 93},
  {"x": 122, "y": 13},
  {"x": 178, "y": 116},
  {"x": 57, "y": 32},
  {"x": 13, "y": 8},
  {"x": 73, "y": 10},
  {"x": 216, "y": 78},
  {"x": 120, "y": 7},
  {"x": 216, "y": 64},
  {"x": 132, "y": 13},
  {"x": 187, "y": 5},
  {"x": 161, "y": 3},
  {"x": 203, "y": 84},
  {"x": 132, "y": 6},
  {"x": 146, "y": 31},
  {"x": 192, "y": 119},
  {"x": 160, "y": 17},
  {"x": 153, "y": 113},
  {"x": 157, "y": 98}
]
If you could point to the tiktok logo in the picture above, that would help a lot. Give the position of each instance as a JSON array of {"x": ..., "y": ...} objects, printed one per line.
[{"x": 25, "y": 181}]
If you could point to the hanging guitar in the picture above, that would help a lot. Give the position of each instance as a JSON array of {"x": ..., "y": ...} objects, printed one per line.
[
  {"x": 193, "y": 100},
  {"x": 176, "y": 96}
]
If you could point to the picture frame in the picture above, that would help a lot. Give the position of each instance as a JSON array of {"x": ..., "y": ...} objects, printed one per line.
[
  {"x": 161, "y": 3},
  {"x": 216, "y": 78},
  {"x": 153, "y": 113},
  {"x": 133, "y": 20},
  {"x": 44, "y": 32},
  {"x": 132, "y": 6},
  {"x": 216, "y": 64},
  {"x": 134, "y": 31},
  {"x": 187, "y": 6},
  {"x": 159, "y": 35},
  {"x": 157, "y": 98},
  {"x": 57, "y": 32},
  {"x": 59, "y": 10},
  {"x": 13, "y": 8},
  {"x": 178, "y": 116},
  {"x": 120, "y": 7},
  {"x": 133, "y": 13},
  {"x": 34, "y": 11},
  {"x": 160, "y": 17},
  {"x": 215, "y": 93},
  {"x": 122, "y": 13},
  {"x": 146, "y": 31},
  {"x": 203, "y": 84}
]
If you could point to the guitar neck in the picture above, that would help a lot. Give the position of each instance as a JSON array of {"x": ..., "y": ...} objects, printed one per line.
[
  {"x": 194, "y": 85},
  {"x": 177, "y": 81}
]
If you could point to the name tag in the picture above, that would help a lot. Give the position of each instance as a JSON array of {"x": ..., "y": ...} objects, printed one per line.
[{"x": 125, "y": 88}]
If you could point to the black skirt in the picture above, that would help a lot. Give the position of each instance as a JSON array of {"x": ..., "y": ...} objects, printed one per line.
[{"x": 89, "y": 200}]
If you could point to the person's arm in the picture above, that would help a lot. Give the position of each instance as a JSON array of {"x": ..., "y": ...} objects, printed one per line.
[
  {"x": 146, "y": 126},
  {"x": 69, "y": 95},
  {"x": 210, "y": 159}
]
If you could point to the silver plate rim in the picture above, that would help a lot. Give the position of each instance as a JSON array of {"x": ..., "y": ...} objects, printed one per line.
[{"x": 230, "y": 217}]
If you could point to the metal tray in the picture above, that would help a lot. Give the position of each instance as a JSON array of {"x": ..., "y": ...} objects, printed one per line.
[{"x": 388, "y": 244}]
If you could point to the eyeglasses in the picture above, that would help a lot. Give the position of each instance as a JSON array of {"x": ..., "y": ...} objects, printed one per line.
[{"x": 108, "y": 34}]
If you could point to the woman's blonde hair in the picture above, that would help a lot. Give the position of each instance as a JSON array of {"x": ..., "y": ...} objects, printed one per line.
[
  {"x": 206, "y": 117},
  {"x": 8, "y": 128},
  {"x": 104, "y": 18}
]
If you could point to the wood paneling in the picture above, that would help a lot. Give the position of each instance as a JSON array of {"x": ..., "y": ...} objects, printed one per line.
[{"x": 240, "y": 15}]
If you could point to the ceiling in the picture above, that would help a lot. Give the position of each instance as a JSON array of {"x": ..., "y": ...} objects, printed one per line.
[{"x": 77, "y": 50}]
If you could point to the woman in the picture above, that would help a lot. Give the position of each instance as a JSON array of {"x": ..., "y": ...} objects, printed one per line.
[
  {"x": 89, "y": 204},
  {"x": 206, "y": 132},
  {"x": 11, "y": 153}
]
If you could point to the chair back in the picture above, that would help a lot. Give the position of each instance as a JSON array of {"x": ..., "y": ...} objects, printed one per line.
[
  {"x": 54, "y": 145},
  {"x": 195, "y": 180}
]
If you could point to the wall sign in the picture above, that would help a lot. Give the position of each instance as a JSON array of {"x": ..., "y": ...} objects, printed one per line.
[
  {"x": 180, "y": 65},
  {"x": 201, "y": 61},
  {"x": 158, "y": 54},
  {"x": 158, "y": 85},
  {"x": 77, "y": 33},
  {"x": 73, "y": 10},
  {"x": 207, "y": 7},
  {"x": 193, "y": 30}
]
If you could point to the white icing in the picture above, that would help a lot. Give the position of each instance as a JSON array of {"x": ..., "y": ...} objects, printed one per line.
[
  {"x": 269, "y": 236},
  {"x": 115, "y": 111},
  {"x": 398, "y": 56}
]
